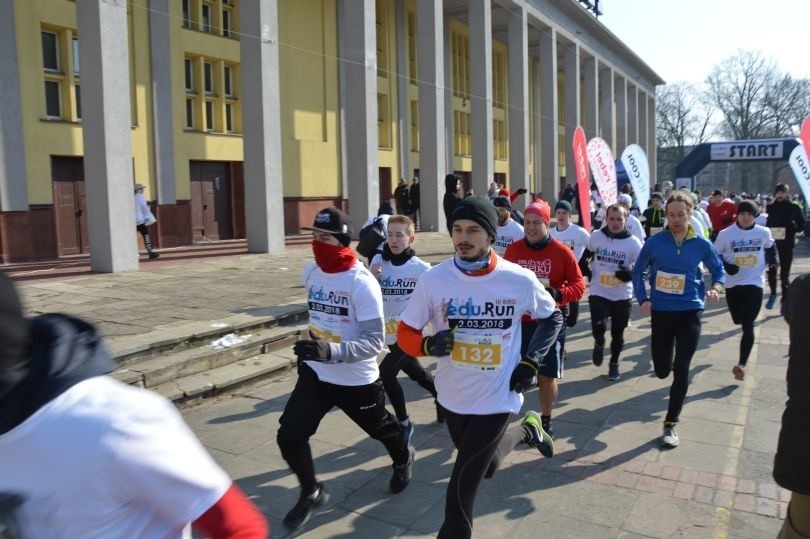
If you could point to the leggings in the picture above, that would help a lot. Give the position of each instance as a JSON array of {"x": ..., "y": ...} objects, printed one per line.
[
  {"x": 396, "y": 360},
  {"x": 784, "y": 248},
  {"x": 744, "y": 303},
  {"x": 678, "y": 332},
  {"x": 482, "y": 442},
  {"x": 147, "y": 241},
  {"x": 619, "y": 313}
]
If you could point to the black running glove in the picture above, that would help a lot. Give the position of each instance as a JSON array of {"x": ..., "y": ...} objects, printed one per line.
[
  {"x": 523, "y": 376},
  {"x": 556, "y": 293},
  {"x": 313, "y": 349},
  {"x": 731, "y": 269},
  {"x": 521, "y": 191},
  {"x": 440, "y": 344},
  {"x": 624, "y": 275}
]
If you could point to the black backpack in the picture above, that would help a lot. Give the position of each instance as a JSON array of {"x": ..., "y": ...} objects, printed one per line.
[{"x": 371, "y": 237}]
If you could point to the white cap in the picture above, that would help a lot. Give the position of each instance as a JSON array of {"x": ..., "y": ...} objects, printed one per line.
[{"x": 625, "y": 199}]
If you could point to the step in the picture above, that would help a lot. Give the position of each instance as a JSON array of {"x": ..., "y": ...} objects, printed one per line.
[{"x": 205, "y": 357}]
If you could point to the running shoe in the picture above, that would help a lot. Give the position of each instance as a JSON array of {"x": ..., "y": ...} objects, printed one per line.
[
  {"x": 613, "y": 371},
  {"x": 536, "y": 437},
  {"x": 402, "y": 473},
  {"x": 670, "y": 437},
  {"x": 302, "y": 510},
  {"x": 771, "y": 301},
  {"x": 153, "y": 255},
  {"x": 598, "y": 353},
  {"x": 739, "y": 372}
]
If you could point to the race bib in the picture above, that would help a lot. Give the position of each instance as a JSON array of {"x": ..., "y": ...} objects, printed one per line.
[
  {"x": 655, "y": 230},
  {"x": 606, "y": 280},
  {"x": 391, "y": 325},
  {"x": 670, "y": 283},
  {"x": 746, "y": 261},
  {"x": 324, "y": 334},
  {"x": 480, "y": 352},
  {"x": 778, "y": 232}
]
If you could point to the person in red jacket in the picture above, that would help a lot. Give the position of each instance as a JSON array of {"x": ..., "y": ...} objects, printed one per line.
[
  {"x": 722, "y": 212},
  {"x": 557, "y": 269}
]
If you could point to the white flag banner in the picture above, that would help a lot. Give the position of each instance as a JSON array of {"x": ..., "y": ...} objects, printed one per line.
[
  {"x": 801, "y": 169},
  {"x": 603, "y": 168},
  {"x": 638, "y": 171}
]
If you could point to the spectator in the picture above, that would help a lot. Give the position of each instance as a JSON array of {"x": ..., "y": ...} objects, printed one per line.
[
  {"x": 144, "y": 219},
  {"x": 402, "y": 197},
  {"x": 452, "y": 184}
]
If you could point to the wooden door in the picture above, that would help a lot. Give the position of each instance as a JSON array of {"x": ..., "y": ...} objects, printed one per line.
[
  {"x": 210, "y": 202},
  {"x": 70, "y": 205},
  {"x": 386, "y": 189}
]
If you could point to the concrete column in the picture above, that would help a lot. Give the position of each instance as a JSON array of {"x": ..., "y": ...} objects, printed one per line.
[
  {"x": 641, "y": 99},
  {"x": 261, "y": 123},
  {"x": 606, "y": 109},
  {"x": 572, "y": 112},
  {"x": 632, "y": 114},
  {"x": 518, "y": 99},
  {"x": 162, "y": 127},
  {"x": 652, "y": 152},
  {"x": 549, "y": 114},
  {"x": 621, "y": 113},
  {"x": 359, "y": 31},
  {"x": 106, "y": 124},
  {"x": 591, "y": 81},
  {"x": 432, "y": 159},
  {"x": 480, "y": 14},
  {"x": 13, "y": 176},
  {"x": 537, "y": 119},
  {"x": 403, "y": 82}
]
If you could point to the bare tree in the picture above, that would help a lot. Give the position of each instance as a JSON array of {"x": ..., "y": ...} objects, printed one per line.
[{"x": 681, "y": 122}]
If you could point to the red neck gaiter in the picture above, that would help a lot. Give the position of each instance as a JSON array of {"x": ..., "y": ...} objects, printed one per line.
[{"x": 333, "y": 258}]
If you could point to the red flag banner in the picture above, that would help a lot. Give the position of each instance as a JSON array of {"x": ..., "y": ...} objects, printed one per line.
[
  {"x": 804, "y": 134},
  {"x": 583, "y": 178}
]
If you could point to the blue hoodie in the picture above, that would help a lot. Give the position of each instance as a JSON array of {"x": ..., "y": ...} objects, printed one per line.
[{"x": 683, "y": 288}]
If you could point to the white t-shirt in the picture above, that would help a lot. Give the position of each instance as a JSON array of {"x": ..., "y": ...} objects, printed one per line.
[
  {"x": 608, "y": 253},
  {"x": 397, "y": 284},
  {"x": 337, "y": 302},
  {"x": 746, "y": 249},
  {"x": 507, "y": 234},
  {"x": 106, "y": 460},
  {"x": 573, "y": 236},
  {"x": 486, "y": 312}
]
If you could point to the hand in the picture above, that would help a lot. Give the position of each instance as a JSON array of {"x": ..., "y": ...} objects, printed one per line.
[
  {"x": 624, "y": 275},
  {"x": 522, "y": 377},
  {"x": 713, "y": 296},
  {"x": 314, "y": 349},
  {"x": 731, "y": 269},
  {"x": 555, "y": 293},
  {"x": 645, "y": 308},
  {"x": 440, "y": 344},
  {"x": 521, "y": 191}
]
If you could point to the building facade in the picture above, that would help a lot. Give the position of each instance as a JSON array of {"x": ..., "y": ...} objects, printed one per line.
[{"x": 244, "y": 118}]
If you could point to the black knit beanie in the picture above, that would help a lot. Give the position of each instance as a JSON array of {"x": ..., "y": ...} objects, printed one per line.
[
  {"x": 480, "y": 210},
  {"x": 563, "y": 205},
  {"x": 748, "y": 206}
]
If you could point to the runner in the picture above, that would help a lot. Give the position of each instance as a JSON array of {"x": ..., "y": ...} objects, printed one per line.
[
  {"x": 509, "y": 230},
  {"x": 337, "y": 366},
  {"x": 676, "y": 299},
  {"x": 746, "y": 249},
  {"x": 614, "y": 251},
  {"x": 398, "y": 269},
  {"x": 556, "y": 268},
  {"x": 785, "y": 220},
  {"x": 721, "y": 212},
  {"x": 474, "y": 302},
  {"x": 576, "y": 238},
  {"x": 632, "y": 224},
  {"x": 653, "y": 216}
]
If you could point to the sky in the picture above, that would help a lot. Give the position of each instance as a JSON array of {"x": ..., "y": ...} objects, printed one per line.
[{"x": 682, "y": 40}]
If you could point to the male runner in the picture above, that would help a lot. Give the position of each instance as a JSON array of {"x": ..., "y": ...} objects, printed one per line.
[
  {"x": 576, "y": 238},
  {"x": 785, "y": 220},
  {"x": 509, "y": 230}
]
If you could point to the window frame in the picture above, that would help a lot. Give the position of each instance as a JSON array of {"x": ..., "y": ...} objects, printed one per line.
[
  {"x": 58, "y": 68},
  {"x": 60, "y": 112}
]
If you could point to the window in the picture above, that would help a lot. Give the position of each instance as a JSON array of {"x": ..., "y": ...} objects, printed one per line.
[
  {"x": 78, "y": 90},
  {"x": 189, "y": 65},
  {"x": 460, "y": 54},
  {"x": 206, "y": 18},
  {"x": 50, "y": 51},
  {"x": 461, "y": 131},
  {"x": 226, "y": 22},
  {"x": 499, "y": 79},
  {"x": 189, "y": 113},
  {"x": 412, "y": 73},
  {"x": 75, "y": 56},
  {"x": 382, "y": 39},
  {"x": 383, "y": 122},
  {"x": 208, "y": 70},
  {"x": 414, "y": 126},
  {"x": 228, "y": 75},
  {"x": 228, "y": 118},
  {"x": 53, "y": 101},
  {"x": 186, "y": 14},
  {"x": 499, "y": 139},
  {"x": 209, "y": 115}
]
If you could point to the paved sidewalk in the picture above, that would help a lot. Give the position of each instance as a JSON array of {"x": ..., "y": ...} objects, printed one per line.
[{"x": 609, "y": 478}]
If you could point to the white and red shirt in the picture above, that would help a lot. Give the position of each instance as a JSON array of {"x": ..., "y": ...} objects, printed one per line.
[
  {"x": 746, "y": 249},
  {"x": 106, "y": 460},
  {"x": 507, "y": 235},
  {"x": 608, "y": 255},
  {"x": 397, "y": 284},
  {"x": 573, "y": 236},
  {"x": 486, "y": 311},
  {"x": 337, "y": 302}
]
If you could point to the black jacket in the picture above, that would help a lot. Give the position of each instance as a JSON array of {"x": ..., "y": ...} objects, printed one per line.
[
  {"x": 788, "y": 215},
  {"x": 451, "y": 199}
]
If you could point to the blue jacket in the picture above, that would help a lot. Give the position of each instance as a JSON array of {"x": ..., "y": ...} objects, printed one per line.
[{"x": 675, "y": 277}]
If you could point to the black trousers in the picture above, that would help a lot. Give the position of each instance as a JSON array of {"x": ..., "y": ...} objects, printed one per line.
[
  {"x": 396, "y": 360},
  {"x": 618, "y": 312},
  {"x": 309, "y": 402},
  {"x": 744, "y": 303},
  {"x": 147, "y": 241},
  {"x": 784, "y": 249},
  {"x": 573, "y": 314},
  {"x": 482, "y": 442},
  {"x": 675, "y": 336}
]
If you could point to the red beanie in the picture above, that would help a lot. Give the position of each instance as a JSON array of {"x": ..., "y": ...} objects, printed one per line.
[{"x": 541, "y": 209}]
